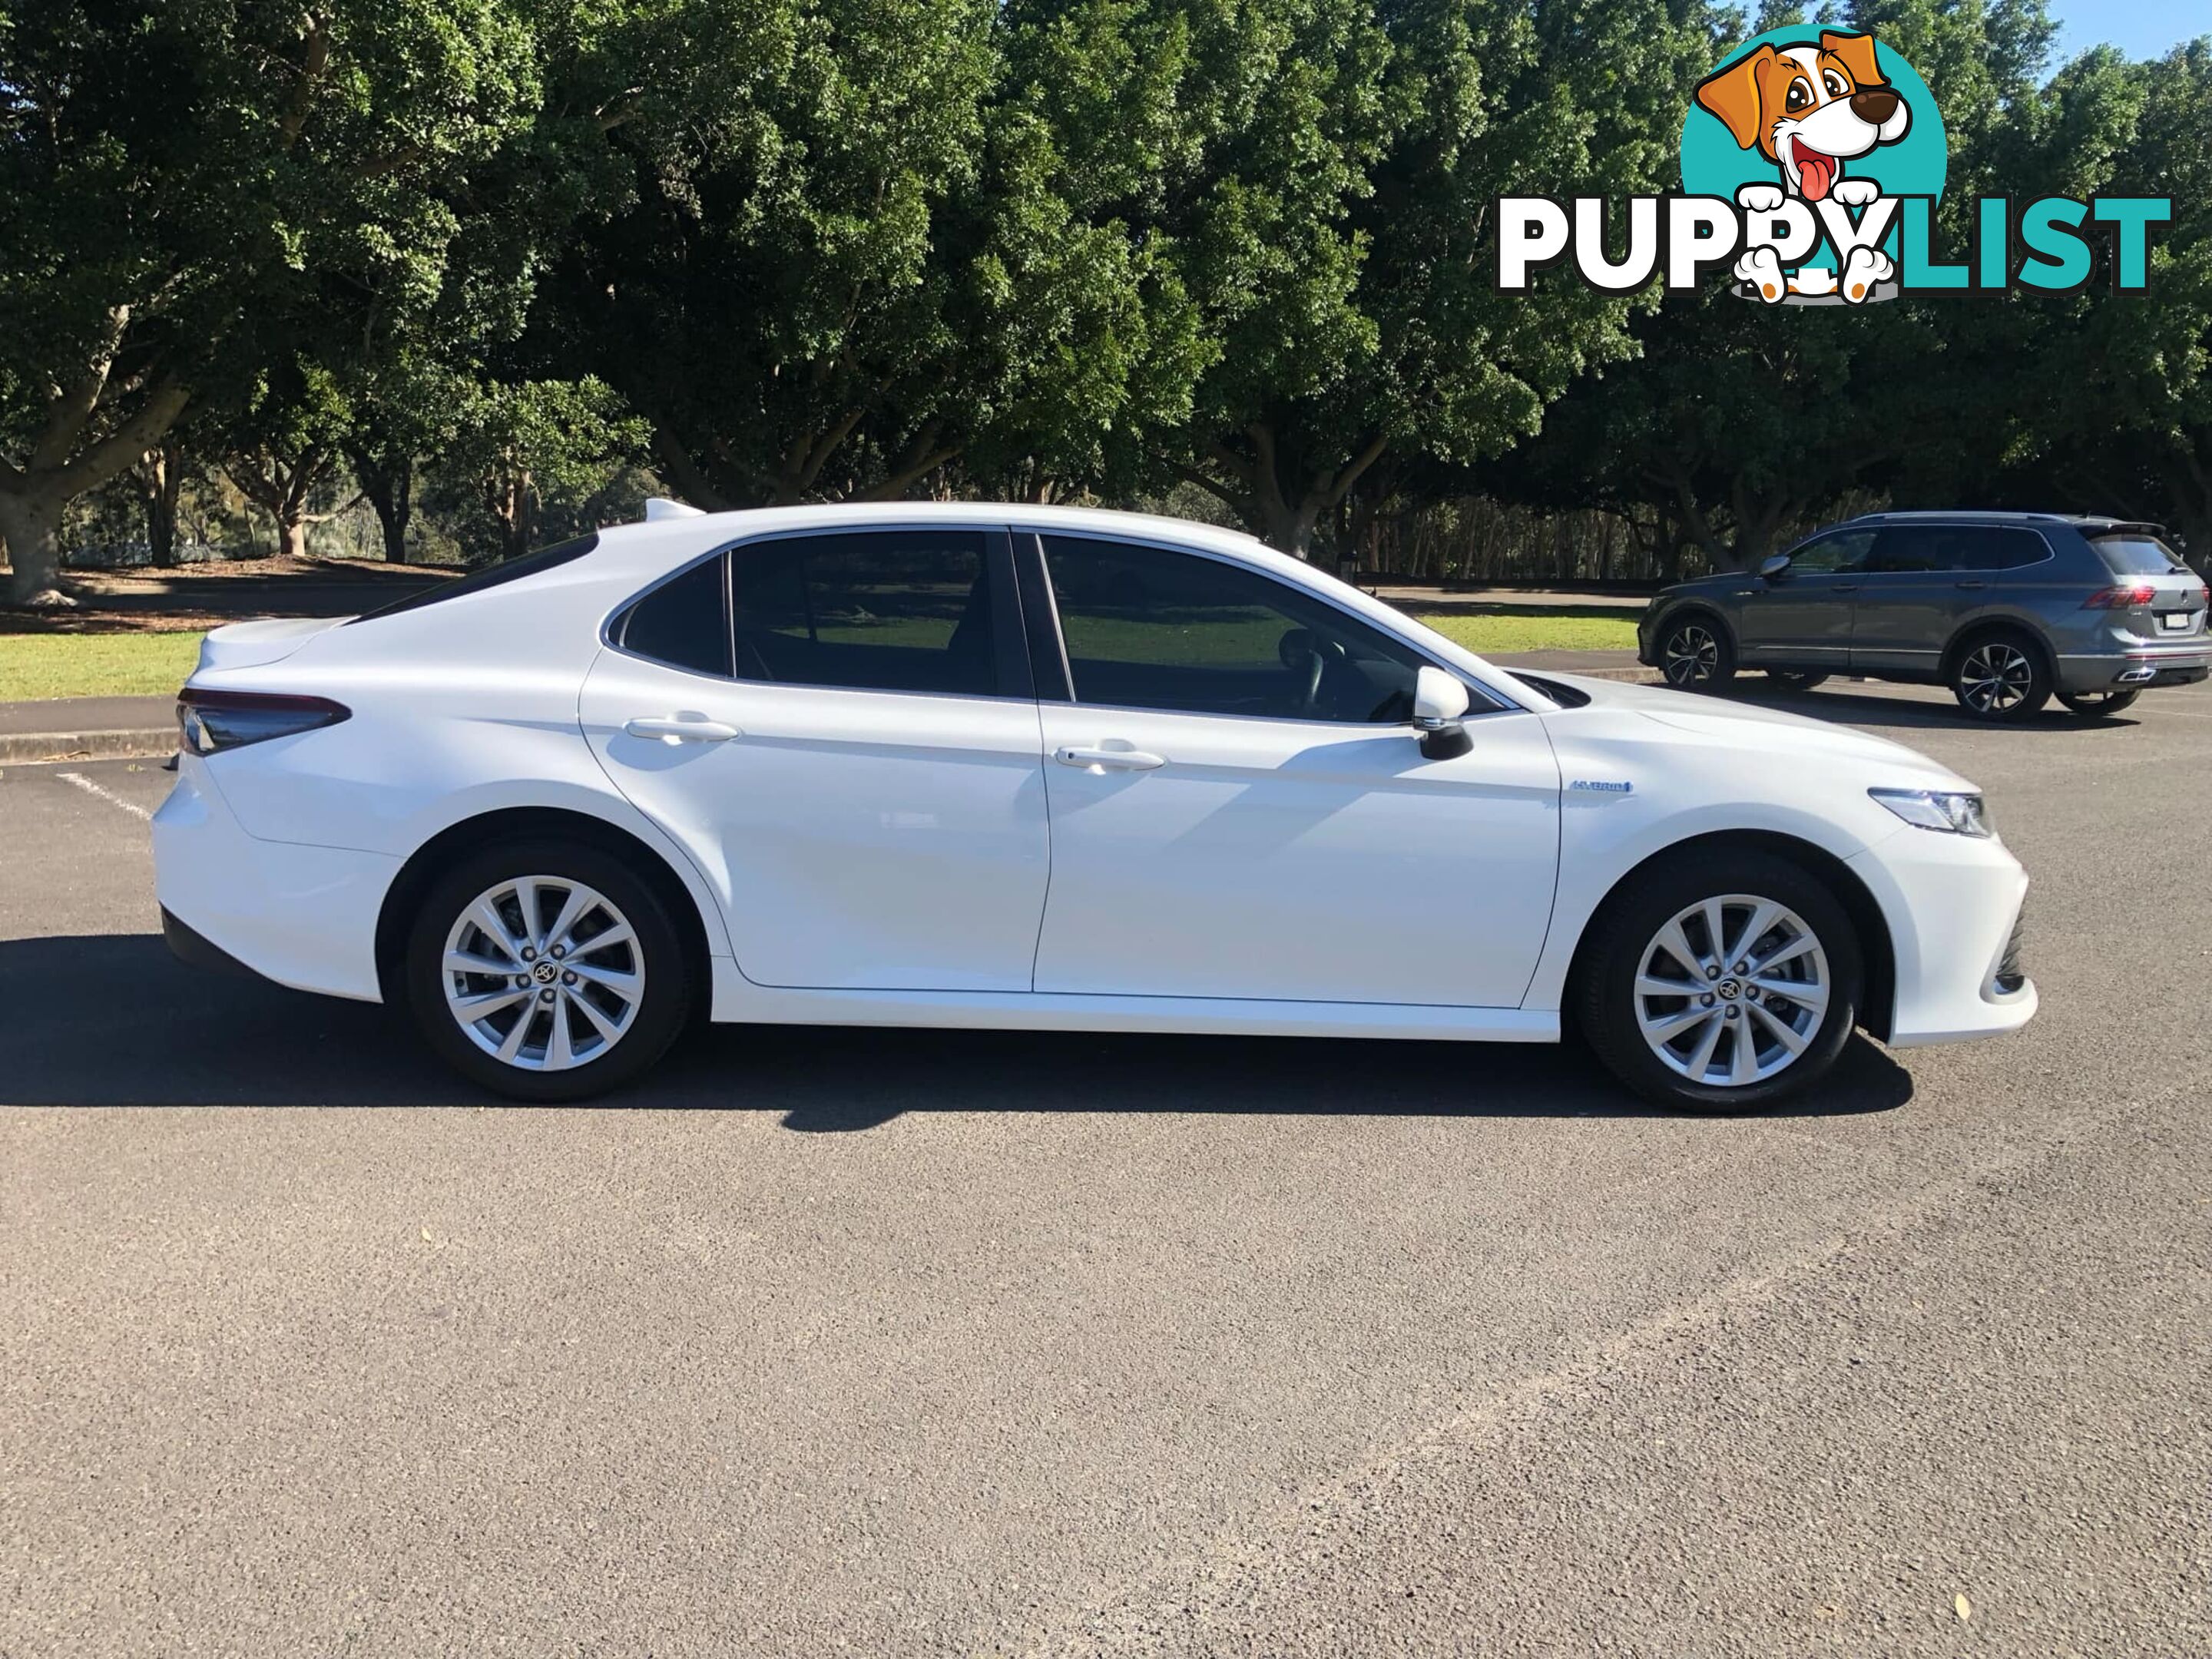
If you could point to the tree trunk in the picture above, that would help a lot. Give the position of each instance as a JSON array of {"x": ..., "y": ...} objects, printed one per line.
[
  {"x": 390, "y": 486},
  {"x": 31, "y": 525},
  {"x": 291, "y": 537},
  {"x": 158, "y": 476}
]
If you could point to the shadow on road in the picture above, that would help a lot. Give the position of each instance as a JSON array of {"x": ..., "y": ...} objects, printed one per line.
[
  {"x": 114, "y": 1020},
  {"x": 1870, "y": 707}
]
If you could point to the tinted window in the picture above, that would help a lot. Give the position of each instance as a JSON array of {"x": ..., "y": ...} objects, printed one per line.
[
  {"x": 1907, "y": 548},
  {"x": 494, "y": 576},
  {"x": 1832, "y": 555},
  {"x": 889, "y": 610},
  {"x": 683, "y": 622},
  {"x": 1147, "y": 627},
  {"x": 2137, "y": 555}
]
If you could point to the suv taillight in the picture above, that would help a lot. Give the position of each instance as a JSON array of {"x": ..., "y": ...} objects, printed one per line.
[
  {"x": 2120, "y": 598},
  {"x": 212, "y": 722}
]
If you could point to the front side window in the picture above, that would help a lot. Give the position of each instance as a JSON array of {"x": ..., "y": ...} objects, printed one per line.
[
  {"x": 881, "y": 610},
  {"x": 1151, "y": 628},
  {"x": 1833, "y": 556}
]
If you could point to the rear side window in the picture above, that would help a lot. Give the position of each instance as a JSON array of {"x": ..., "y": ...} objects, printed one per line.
[
  {"x": 1903, "y": 548},
  {"x": 493, "y": 576},
  {"x": 684, "y": 621},
  {"x": 2137, "y": 555},
  {"x": 1149, "y": 628},
  {"x": 881, "y": 610}
]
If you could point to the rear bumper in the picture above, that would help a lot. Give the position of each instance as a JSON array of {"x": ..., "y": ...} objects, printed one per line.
[
  {"x": 1952, "y": 904},
  {"x": 2148, "y": 666},
  {"x": 303, "y": 916}
]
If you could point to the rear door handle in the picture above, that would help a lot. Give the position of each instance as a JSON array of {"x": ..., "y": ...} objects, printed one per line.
[
  {"x": 1842, "y": 587},
  {"x": 1970, "y": 584},
  {"x": 669, "y": 729},
  {"x": 1109, "y": 760}
]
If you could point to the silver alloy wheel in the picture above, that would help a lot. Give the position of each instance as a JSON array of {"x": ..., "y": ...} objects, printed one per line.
[
  {"x": 544, "y": 973},
  {"x": 1995, "y": 678},
  {"x": 1690, "y": 654},
  {"x": 1732, "y": 990}
]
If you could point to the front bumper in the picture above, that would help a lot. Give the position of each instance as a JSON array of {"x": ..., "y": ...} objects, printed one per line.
[
  {"x": 303, "y": 916},
  {"x": 1953, "y": 904}
]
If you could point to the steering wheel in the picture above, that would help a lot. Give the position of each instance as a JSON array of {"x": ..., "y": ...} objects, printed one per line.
[{"x": 1303, "y": 651}]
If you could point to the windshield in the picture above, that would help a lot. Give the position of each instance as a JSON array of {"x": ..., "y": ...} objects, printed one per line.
[{"x": 2136, "y": 554}]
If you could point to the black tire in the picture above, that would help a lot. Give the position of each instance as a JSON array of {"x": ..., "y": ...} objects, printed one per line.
[
  {"x": 2002, "y": 677},
  {"x": 1695, "y": 653},
  {"x": 2098, "y": 705},
  {"x": 652, "y": 1018},
  {"x": 1605, "y": 1002},
  {"x": 1793, "y": 679}
]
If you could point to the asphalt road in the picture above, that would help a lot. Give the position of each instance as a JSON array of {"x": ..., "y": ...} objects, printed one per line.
[{"x": 941, "y": 1344}]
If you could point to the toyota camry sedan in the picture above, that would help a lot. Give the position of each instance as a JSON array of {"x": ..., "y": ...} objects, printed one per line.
[{"x": 1046, "y": 770}]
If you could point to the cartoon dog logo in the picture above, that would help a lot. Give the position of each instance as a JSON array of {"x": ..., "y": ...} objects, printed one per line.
[{"x": 1809, "y": 109}]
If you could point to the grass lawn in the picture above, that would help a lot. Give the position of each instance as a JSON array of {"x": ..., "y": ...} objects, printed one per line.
[
  {"x": 1539, "y": 631},
  {"x": 93, "y": 664}
]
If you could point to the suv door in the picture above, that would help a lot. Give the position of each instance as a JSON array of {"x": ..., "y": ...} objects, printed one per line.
[
  {"x": 1923, "y": 581},
  {"x": 840, "y": 728},
  {"x": 1241, "y": 808},
  {"x": 1802, "y": 618}
]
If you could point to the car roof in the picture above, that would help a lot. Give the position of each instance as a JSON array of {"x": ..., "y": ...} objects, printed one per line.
[
  {"x": 722, "y": 527},
  {"x": 2084, "y": 521}
]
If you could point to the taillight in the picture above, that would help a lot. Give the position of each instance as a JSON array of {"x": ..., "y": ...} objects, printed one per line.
[
  {"x": 2120, "y": 598},
  {"x": 212, "y": 722}
]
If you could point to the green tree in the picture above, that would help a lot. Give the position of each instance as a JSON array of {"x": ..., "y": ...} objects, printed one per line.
[
  {"x": 521, "y": 451},
  {"x": 1332, "y": 215},
  {"x": 179, "y": 179}
]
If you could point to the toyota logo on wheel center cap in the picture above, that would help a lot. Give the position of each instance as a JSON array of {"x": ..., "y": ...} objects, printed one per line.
[
  {"x": 1727, "y": 989},
  {"x": 545, "y": 971}
]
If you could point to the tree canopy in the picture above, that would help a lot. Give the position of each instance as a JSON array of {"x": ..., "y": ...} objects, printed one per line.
[{"x": 477, "y": 257}]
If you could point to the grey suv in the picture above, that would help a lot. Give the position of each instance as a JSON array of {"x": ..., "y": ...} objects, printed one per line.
[{"x": 2004, "y": 608}]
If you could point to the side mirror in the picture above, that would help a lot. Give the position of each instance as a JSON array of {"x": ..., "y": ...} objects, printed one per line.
[
  {"x": 1440, "y": 700},
  {"x": 1773, "y": 565}
]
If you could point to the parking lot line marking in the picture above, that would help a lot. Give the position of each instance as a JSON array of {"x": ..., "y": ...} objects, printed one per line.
[{"x": 107, "y": 795}]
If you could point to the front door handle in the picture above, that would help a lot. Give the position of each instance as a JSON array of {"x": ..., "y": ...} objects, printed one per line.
[
  {"x": 669, "y": 729},
  {"x": 1109, "y": 760},
  {"x": 1969, "y": 584},
  {"x": 1842, "y": 587}
]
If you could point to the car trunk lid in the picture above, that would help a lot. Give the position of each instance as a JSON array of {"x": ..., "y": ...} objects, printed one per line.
[
  {"x": 252, "y": 644},
  {"x": 2154, "y": 595}
]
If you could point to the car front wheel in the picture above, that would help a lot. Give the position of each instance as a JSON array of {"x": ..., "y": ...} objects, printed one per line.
[
  {"x": 1695, "y": 655},
  {"x": 1721, "y": 983},
  {"x": 547, "y": 971}
]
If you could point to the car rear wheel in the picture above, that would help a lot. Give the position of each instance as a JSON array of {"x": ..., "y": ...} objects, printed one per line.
[
  {"x": 2096, "y": 705},
  {"x": 547, "y": 971},
  {"x": 1721, "y": 982},
  {"x": 1792, "y": 680},
  {"x": 2000, "y": 678},
  {"x": 1695, "y": 654}
]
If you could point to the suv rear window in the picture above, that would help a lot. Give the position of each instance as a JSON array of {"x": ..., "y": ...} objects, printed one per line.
[
  {"x": 2137, "y": 554},
  {"x": 492, "y": 575}
]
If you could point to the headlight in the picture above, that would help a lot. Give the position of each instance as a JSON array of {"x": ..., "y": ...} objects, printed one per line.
[{"x": 1933, "y": 808}]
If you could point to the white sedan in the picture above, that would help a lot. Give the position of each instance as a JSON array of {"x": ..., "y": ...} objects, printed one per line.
[{"x": 1046, "y": 768}]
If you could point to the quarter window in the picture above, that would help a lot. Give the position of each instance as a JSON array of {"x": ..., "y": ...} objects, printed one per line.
[
  {"x": 883, "y": 611},
  {"x": 1149, "y": 628},
  {"x": 684, "y": 621}
]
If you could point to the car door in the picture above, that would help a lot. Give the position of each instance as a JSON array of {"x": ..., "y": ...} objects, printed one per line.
[
  {"x": 1241, "y": 809},
  {"x": 1923, "y": 581},
  {"x": 1802, "y": 618},
  {"x": 840, "y": 729}
]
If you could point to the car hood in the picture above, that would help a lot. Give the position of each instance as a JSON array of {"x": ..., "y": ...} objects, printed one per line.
[{"x": 1750, "y": 727}]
